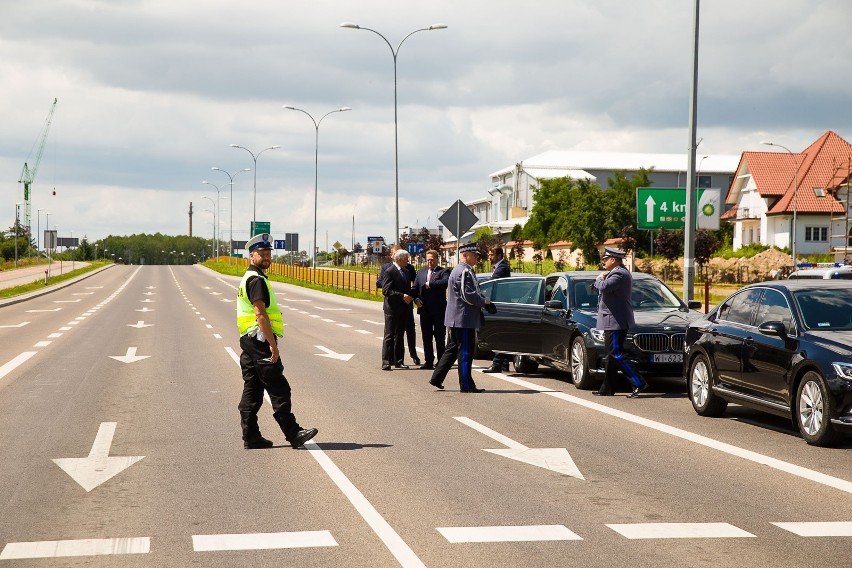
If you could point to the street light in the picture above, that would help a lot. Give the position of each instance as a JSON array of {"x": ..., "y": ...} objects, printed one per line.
[
  {"x": 316, "y": 168},
  {"x": 214, "y": 218},
  {"x": 231, "y": 177},
  {"x": 395, "y": 52},
  {"x": 38, "y": 230},
  {"x": 254, "y": 157},
  {"x": 17, "y": 216},
  {"x": 795, "y": 193}
]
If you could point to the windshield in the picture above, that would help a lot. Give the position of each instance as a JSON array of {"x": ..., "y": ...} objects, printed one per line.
[
  {"x": 825, "y": 309},
  {"x": 652, "y": 295}
]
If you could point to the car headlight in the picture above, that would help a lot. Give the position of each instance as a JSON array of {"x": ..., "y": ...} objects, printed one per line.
[
  {"x": 843, "y": 370},
  {"x": 597, "y": 334}
]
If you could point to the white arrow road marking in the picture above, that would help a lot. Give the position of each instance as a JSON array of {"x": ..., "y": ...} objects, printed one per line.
[
  {"x": 147, "y": 301},
  {"x": 22, "y": 324},
  {"x": 145, "y": 309},
  {"x": 39, "y": 311},
  {"x": 332, "y": 355},
  {"x": 554, "y": 459},
  {"x": 151, "y": 287},
  {"x": 139, "y": 324},
  {"x": 334, "y": 309},
  {"x": 82, "y": 547},
  {"x": 131, "y": 356},
  {"x": 98, "y": 467},
  {"x": 150, "y": 293}
]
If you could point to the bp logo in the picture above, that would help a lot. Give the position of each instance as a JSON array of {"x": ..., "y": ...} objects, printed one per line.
[{"x": 708, "y": 209}]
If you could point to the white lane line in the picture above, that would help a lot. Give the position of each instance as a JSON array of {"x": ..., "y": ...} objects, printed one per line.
[
  {"x": 208, "y": 326},
  {"x": 42, "y": 344},
  {"x": 400, "y": 550},
  {"x": 83, "y": 547},
  {"x": 363, "y": 331},
  {"x": 82, "y": 293},
  {"x": 799, "y": 471},
  {"x": 839, "y": 528},
  {"x": 315, "y": 315},
  {"x": 532, "y": 533},
  {"x": 15, "y": 363},
  {"x": 64, "y": 328},
  {"x": 217, "y": 336},
  {"x": 373, "y": 322},
  {"x": 66, "y": 301},
  {"x": 343, "y": 325},
  {"x": 22, "y": 324},
  {"x": 72, "y": 323},
  {"x": 262, "y": 541},
  {"x": 39, "y": 311},
  {"x": 302, "y": 312},
  {"x": 327, "y": 320},
  {"x": 679, "y": 530},
  {"x": 54, "y": 335}
]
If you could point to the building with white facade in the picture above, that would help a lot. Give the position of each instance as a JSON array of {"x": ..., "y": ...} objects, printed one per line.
[{"x": 511, "y": 196}]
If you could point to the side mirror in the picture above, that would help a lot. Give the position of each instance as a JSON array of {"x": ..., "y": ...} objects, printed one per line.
[
  {"x": 694, "y": 304},
  {"x": 553, "y": 305},
  {"x": 773, "y": 328}
]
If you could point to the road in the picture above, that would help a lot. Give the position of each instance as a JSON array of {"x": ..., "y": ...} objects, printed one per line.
[{"x": 121, "y": 447}]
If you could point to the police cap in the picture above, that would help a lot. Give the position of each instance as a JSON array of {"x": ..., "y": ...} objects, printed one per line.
[
  {"x": 613, "y": 253},
  {"x": 262, "y": 241}
]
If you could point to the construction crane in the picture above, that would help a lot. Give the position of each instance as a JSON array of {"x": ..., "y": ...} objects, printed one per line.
[{"x": 28, "y": 174}]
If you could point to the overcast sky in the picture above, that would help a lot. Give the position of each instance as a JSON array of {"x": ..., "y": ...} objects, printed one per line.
[{"x": 151, "y": 94}]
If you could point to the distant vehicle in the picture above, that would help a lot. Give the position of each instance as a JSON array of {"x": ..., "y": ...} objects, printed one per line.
[
  {"x": 782, "y": 347},
  {"x": 843, "y": 272},
  {"x": 551, "y": 320}
]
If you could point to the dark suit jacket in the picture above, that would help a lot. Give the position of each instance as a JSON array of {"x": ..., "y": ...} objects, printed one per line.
[
  {"x": 394, "y": 286},
  {"x": 435, "y": 296},
  {"x": 501, "y": 269},
  {"x": 380, "y": 280}
]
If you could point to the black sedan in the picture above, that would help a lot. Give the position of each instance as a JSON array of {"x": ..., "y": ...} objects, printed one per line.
[
  {"x": 551, "y": 320},
  {"x": 783, "y": 347}
]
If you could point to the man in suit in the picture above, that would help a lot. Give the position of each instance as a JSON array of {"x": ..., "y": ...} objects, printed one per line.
[
  {"x": 410, "y": 331},
  {"x": 499, "y": 269},
  {"x": 396, "y": 288},
  {"x": 430, "y": 289},
  {"x": 615, "y": 317},
  {"x": 463, "y": 317}
]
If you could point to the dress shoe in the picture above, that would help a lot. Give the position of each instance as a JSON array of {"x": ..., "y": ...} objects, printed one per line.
[
  {"x": 437, "y": 385},
  {"x": 474, "y": 389},
  {"x": 386, "y": 367},
  {"x": 427, "y": 366},
  {"x": 416, "y": 360},
  {"x": 303, "y": 436},
  {"x": 400, "y": 366},
  {"x": 494, "y": 369},
  {"x": 599, "y": 393},
  {"x": 635, "y": 392},
  {"x": 257, "y": 443}
]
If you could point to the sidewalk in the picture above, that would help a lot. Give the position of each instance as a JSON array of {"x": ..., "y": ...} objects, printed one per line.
[{"x": 29, "y": 274}]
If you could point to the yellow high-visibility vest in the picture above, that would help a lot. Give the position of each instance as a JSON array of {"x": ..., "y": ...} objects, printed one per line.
[{"x": 246, "y": 321}]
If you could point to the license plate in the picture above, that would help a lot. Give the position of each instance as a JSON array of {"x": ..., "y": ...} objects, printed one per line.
[{"x": 667, "y": 358}]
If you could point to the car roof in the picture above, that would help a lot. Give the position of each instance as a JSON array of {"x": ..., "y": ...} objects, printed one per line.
[
  {"x": 594, "y": 273},
  {"x": 824, "y": 272},
  {"x": 803, "y": 284}
]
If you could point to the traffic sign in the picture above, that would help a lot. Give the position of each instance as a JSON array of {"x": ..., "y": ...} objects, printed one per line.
[
  {"x": 260, "y": 227},
  {"x": 280, "y": 244},
  {"x": 458, "y": 219},
  {"x": 665, "y": 208},
  {"x": 415, "y": 248}
]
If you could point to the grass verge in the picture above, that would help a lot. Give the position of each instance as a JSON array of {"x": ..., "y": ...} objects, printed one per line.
[{"x": 40, "y": 285}]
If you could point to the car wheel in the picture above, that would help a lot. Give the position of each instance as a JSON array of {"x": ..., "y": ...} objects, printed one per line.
[
  {"x": 580, "y": 375},
  {"x": 525, "y": 365},
  {"x": 812, "y": 411},
  {"x": 700, "y": 383}
]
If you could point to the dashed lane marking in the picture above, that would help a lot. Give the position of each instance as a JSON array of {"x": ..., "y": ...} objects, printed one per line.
[
  {"x": 531, "y": 533},
  {"x": 839, "y": 528},
  {"x": 679, "y": 530},
  {"x": 262, "y": 541},
  {"x": 83, "y": 547}
]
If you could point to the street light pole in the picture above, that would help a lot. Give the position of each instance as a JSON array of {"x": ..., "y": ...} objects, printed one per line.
[
  {"x": 316, "y": 169},
  {"x": 231, "y": 177},
  {"x": 17, "y": 216},
  {"x": 395, "y": 52},
  {"x": 254, "y": 157},
  {"x": 795, "y": 195},
  {"x": 214, "y": 217},
  {"x": 38, "y": 236}
]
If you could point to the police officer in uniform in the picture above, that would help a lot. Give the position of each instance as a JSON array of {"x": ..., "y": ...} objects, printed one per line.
[
  {"x": 463, "y": 316},
  {"x": 615, "y": 317},
  {"x": 261, "y": 325}
]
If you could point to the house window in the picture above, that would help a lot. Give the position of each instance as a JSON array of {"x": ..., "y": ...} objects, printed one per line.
[
  {"x": 816, "y": 234},
  {"x": 819, "y": 191},
  {"x": 703, "y": 181}
]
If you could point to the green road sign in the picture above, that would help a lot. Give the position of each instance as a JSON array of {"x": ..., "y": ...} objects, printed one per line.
[
  {"x": 260, "y": 227},
  {"x": 665, "y": 208}
]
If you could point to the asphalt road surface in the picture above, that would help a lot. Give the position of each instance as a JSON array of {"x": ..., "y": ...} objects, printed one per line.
[{"x": 120, "y": 445}]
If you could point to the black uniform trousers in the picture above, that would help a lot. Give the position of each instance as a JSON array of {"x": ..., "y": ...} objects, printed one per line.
[
  {"x": 459, "y": 347},
  {"x": 432, "y": 328},
  {"x": 614, "y": 341},
  {"x": 257, "y": 377}
]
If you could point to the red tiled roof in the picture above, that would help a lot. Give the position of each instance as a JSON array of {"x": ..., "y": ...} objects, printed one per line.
[
  {"x": 561, "y": 244},
  {"x": 730, "y": 213},
  {"x": 820, "y": 165}
]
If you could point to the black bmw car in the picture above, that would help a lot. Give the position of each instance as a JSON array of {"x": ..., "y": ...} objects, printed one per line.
[
  {"x": 551, "y": 320},
  {"x": 783, "y": 347}
]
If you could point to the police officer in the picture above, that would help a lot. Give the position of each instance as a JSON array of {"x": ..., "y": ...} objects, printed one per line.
[
  {"x": 463, "y": 317},
  {"x": 615, "y": 317},
  {"x": 261, "y": 325}
]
